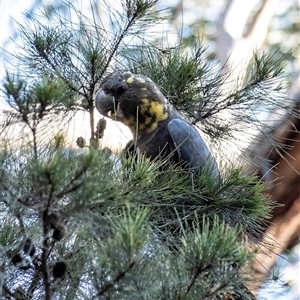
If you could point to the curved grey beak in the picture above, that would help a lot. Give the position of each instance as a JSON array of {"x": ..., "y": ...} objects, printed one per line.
[
  {"x": 108, "y": 107},
  {"x": 104, "y": 103}
]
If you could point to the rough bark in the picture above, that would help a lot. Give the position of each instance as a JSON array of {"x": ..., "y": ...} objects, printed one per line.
[{"x": 281, "y": 173}]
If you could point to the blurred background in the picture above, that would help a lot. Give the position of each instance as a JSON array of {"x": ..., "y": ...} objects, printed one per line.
[{"x": 231, "y": 30}]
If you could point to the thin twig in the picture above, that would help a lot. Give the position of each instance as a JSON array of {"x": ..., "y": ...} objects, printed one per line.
[
  {"x": 119, "y": 276},
  {"x": 45, "y": 255}
]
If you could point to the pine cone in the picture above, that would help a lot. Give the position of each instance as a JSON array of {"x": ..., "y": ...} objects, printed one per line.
[
  {"x": 101, "y": 125},
  {"x": 59, "y": 232},
  {"x": 19, "y": 262},
  {"x": 59, "y": 269},
  {"x": 16, "y": 259},
  {"x": 81, "y": 142}
]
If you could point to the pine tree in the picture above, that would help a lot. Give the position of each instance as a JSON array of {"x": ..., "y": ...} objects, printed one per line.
[{"x": 86, "y": 224}]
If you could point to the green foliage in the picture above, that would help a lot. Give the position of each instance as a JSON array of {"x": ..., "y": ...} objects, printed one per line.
[
  {"x": 113, "y": 225},
  {"x": 215, "y": 251},
  {"x": 204, "y": 93},
  {"x": 39, "y": 97},
  {"x": 177, "y": 70},
  {"x": 124, "y": 227}
]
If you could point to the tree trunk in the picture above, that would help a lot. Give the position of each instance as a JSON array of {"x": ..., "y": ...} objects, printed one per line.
[{"x": 281, "y": 173}]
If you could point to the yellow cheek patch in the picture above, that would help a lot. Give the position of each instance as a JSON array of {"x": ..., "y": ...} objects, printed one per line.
[
  {"x": 145, "y": 101},
  {"x": 158, "y": 110},
  {"x": 145, "y": 105},
  {"x": 153, "y": 126},
  {"x": 129, "y": 121},
  {"x": 140, "y": 79},
  {"x": 146, "y": 124},
  {"x": 130, "y": 80}
]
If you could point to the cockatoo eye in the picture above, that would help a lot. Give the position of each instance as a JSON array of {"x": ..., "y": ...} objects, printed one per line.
[{"x": 121, "y": 90}]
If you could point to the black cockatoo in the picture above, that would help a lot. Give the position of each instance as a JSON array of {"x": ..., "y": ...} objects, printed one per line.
[{"x": 158, "y": 129}]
